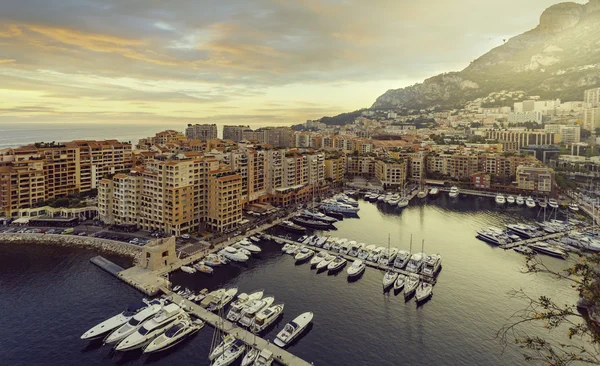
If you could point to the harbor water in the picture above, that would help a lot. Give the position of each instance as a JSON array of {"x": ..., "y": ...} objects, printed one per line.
[{"x": 50, "y": 296}]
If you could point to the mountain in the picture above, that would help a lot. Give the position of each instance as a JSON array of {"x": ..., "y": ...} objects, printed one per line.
[{"x": 560, "y": 58}]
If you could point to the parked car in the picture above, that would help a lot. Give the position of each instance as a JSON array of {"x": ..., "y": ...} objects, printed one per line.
[
  {"x": 83, "y": 233},
  {"x": 185, "y": 236}
]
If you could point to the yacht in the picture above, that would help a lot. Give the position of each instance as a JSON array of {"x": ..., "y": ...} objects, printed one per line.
[
  {"x": 522, "y": 230},
  {"x": 187, "y": 269},
  {"x": 250, "y": 357},
  {"x": 212, "y": 298},
  {"x": 228, "y": 340},
  {"x": 422, "y": 194},
  {"x": 453, "y": 192},
  {"x": 510, "y": 199},
  {"x": 346, "y": 200},
  {"x": 410, "y": 284},
  {"x": 399, "y": 283},
  {"x": 519, "y": 200},
  {"x": 303, "y": 255},
  {"x": 355, "y": 249},
  {"x": 387, "y": 258},
  {"x": 320, "y": 241},
  {"x": 232, "y": 353},
  {"x": 201, "y": 267},
  {"x": 530, "y": 202},
  {"x": 311, "y": 223},
  {"x": 415, "y": 263},
  {"x": 292, "y": 249},
  {"x": 233, "y": 254},
  {"x": 110, "y": 324},
  {"x": 573, "y": 207},
  {"x": 175, "y": 334},
  {"x": 252, "y": 248},
  {"x": 490, "y": 237},
  {"x": 265, "y": 358},
  {"x": 381, "y": 198},
  {"x": 290, "y": 226},
  {"x": 340, "y": 207},
  {"x": 356, "y": 269},
  {"x": 133, "y": 324},
  {"x": 364, "y": 252},
  {"x": 292, "y": 329},
  {"x": 434, "y": 191},
  {"x": 403, "y": 202},
  {"x": 500, "y": 199},
  {"x": 336, "y": 245},
  {"x": 345, "y": 250},
  {"x": 212, "y": 260},
  {"x": 423, "y": 292},
  {"x": 324, "y": 263},
  {"x": 318, "y": 258},
  {"x": 375, "y": 254},
  {"x": 152, "y": 328},
  {"x": 432, "y": 264},
  {"x": 243, "y": 300},
  {"x": 219, "y": 302},
  {"x": 553, "y": 203},
  {"x": 389, "y": 278},
  {"x": 402, "y": 259},
  {"x": 265, "y": 318},
  {"x": 257, "y": 305},
  {"x": 338, "y": 263},
  {"x": 553, "y": 251},
  {"x": 318, "y": 216}
]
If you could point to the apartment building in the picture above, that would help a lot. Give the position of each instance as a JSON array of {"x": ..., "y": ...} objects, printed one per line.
[
  {"x": 252, "y": 166},
  {"x": 21, "y": 180},
  {"x": 160, "y": 138},
  {"x": 591, "y": 118},
  {"x": 363, "y": 166},
  {"x": 119, "y": 198},
  {"x": 235, "y": 133},
  {"x": 513, "y": 140},
  {"x": 391, "y": 173},
  {"x": 568, "y": 134},
  {"x": 274, "y": 136},
  {"x": 335, "y": 169},
  {"x": 592, "y": 97},
  {"x": 201, "y": 131},
  {"x": 224, "y": 201},
  {"x": 535, "y": 179}
]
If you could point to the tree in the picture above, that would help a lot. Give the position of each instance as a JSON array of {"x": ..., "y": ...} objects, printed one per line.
[{"x": 583, "y": 326}]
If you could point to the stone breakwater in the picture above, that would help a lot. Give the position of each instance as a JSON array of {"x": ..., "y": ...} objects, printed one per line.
[{"x": 87, "y": 242}]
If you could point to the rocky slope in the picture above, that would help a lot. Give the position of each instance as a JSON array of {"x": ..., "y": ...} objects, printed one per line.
[{"x": 560, "y": 58}]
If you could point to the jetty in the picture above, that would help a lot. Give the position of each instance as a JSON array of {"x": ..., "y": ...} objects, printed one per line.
[
  {"x": 429, "y": 279},
  {"x": 280, "y": 355},
  {"x": 107, "y": 265}
]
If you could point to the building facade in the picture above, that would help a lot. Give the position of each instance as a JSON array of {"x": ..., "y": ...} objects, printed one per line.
[
  {"x": 535, "y": 179},
  {"x": 201, "y": 132},
  {"x": 391, "y": 173}
]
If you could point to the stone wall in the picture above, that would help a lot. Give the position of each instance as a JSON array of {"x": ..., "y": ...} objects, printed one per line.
[{"x": 87, "y": 242}]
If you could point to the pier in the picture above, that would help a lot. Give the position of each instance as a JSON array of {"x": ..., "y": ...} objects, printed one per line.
[
  {"x": 351, "y": 259},
  {"x": 527, "y": 242},
  {"x": 280, "y": 355},
  {"x": 107, "y": 265}
]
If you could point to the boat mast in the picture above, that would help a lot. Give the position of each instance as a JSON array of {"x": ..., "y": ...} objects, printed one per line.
[{"x": 410, "y": 243}]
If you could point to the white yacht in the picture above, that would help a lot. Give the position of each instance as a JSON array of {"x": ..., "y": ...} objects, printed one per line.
[
  {"x": 265, "y": 358},
  {"x": 318, "y": 258},
  {"x": 319, "y": 241},
  {"x": 364, "y": 252},
  {"x": 387, "y": 258},
  {"x": 520, "y": 200},
  {"x": 110, "y": 324},
  {"x": 212, "y": 260},
  {"x": 530, "y": 202},
  {"x": 232, "y": 353},
  {"x": 543, "y": 203},
  {"x": 202, "y": 267},
  {"x": 356, "y": 269},
  {"x": 265, "y": 318},
  {"x": 152, "y": 328},
  {"x": 375, "y": 254},
  {"x": 422, "y": 193},
  {"x": 453, "y": 192},
  {"x": 133, "y": 324},
  {"x": 432, "y": 264},
  {"x": 338, "y": 244},
  {"x": 399, "y": 283},
  {"x": 250, "y": 357},
  {"x": 334, "y": 206},
  {"x": 292, "y": 329},
  {"x": 243, "y": 300},
  {"x": 510, "y": 199},
  {"x": 355, "y": 248},
  {"x": 228, "y": 340},
  {"x": 256, "y": 306},
  {"x": 411, "y": 284},
  {"x": 403, "y": 202},
  {"x": 338, "y": 263},
  {"x": 175, "y": 334},
  {"x": 550, "y": 250},
  {"x": 500, "y": 199},
  {"x": 389, "y": 278},
  {"x": 423, "y": 292},
  {"x": 303, "y": 255},
  {"x": 402, "y": 259},
  {"x": 573, "y": 207},
  {"x": 220, "y": 302},
  {"x": 292, "y": 249},
  {"x": 415, "y": 263},
  {"x": 347, "y": 247},
  {"x": 324, "y": 263},
  {"x": 233, "y": 254},
  {"x": 187, "y": 269},
  {"x": 252, "y": 248},
  {"x": 553, "y": 203}
]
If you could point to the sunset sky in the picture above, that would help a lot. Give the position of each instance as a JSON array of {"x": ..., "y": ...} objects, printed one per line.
[{"x": 234, "y": 61}]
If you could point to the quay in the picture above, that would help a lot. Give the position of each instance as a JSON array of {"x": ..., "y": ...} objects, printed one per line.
[
  {"x": 431, "y": 280},
  {"x": 107, "y": 265},
  {"x": 280, "y": 355}
]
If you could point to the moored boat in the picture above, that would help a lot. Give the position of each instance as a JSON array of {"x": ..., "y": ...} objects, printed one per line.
[
  {"x": 174, "y": 335},
  {"x": 356, "y": 269},
  {"x": 389, "y": 278},
  {"x": 410, "y": 284},
  {"x": 292, "y": 329},
  {"x": 453, "y": 192},
  {"x": 109, "y": 325},
  {"x": 423, "y": 292}
]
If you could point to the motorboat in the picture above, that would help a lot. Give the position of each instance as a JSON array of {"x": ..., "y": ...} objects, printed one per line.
[
  {"x": 410, "y": 284},
  {"x": 311, "y": 223},
  {"x": 254, "y": 239},
  {"x": 364, "y": 252},
  {"x": 354, "y": 249},
  {"x": 510, "y": 199},
  {"x": 110, "y": 324},
  {"x": 304, "y": 239},
  {"x": 250, "y": 357},
  {"x": 212, "y": 260},
  {"x": 500, "y": 199},
  {"x": 573, "y": 207},
  {"x": 243, "y": 300},
  {"x": 315, "y": 215},
  {"x": 434, "y": 191},
  {"x": 550, "y": 250},
  {"x": 523, "y": 250},
  {"x": 399, "y": 283},
  {"x": 387, "y": 258},
  {"x": 318, "y": 258},
  {"x": 303, "y": 255},
  {"x": 356, "y": 269},
  {"x": 324, "y": 263},
  {"x": 422, "y": 194},
  {"x": 152, "y": 328},
  {"x": 227, "y": 341},
  {"x": 266, "y": 317},
  {"x": 188, "y": 269},
  {"x": 389, "y": 278},
  {"x": 220, "y": 302},
  {"x": 490, "y": 237},
  {"x": 231, "y": 354},
  {"x": 402, "y": 259},
  {"x": 265, "y": 358},
  {"x": 415, "y": 263},
  {"x": 176, "y": 288},
  {"x": 522, "y": 230},
  {"x": 256, "y": 306},
  {"x": 432, "y": 264},
  {"x": 292, "y": 249},
  {"x": 453, "y": 192},
  {"x": 290, "y": 226},
  {"x": 553, "y": 203},
  {"x": 530, "y": 202},
  {"x": 252, "y": 248},
  {"x": 520, "y": 200},
  {"x": 201, "y": 267},
  {"x": 175, "y": 334},
  {"x": 233, "y": 254},
  {"x": 338, "y": 263},
  {"x": 337, "y": 245},
  {"x": 403, "y": 202},
  {"x": 320, "y": 241},
  {"x": 334, "y": 206},
  {"x": 345, "y": 249},
  {"x": 133, "y": 324},
  {"x": 423, "y": 292},
  {"x": 375, "y": 253},
  {"x": 342, "y": 198},
  {"x": 242, "y": 250},
  {"x": 381, "y": 198},
  {"x": 292, "y": 329},
  {"x": 212, "y": 297}
]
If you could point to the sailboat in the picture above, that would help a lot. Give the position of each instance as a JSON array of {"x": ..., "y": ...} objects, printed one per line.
[
  {"x": 220, "y": 341},
  {"x": 422, "y": 190},
  {"x": 390, "y": 276},
  {"x": 403, "y": 199}
]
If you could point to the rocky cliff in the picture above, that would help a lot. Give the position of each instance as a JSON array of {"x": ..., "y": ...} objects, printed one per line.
[{"x": 560, "y": 58}]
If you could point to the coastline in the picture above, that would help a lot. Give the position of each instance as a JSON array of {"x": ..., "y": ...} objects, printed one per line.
[{"x": 86, "y": 242}]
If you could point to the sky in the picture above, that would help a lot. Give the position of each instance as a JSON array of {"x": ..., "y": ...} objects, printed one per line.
[{"x": 272, "y": 62}]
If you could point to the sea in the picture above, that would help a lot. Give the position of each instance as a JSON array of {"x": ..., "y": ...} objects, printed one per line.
[{"x": 49, "y": 296}]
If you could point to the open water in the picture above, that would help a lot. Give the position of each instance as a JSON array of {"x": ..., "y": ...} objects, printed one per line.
[{"x": 50, "y": 296}]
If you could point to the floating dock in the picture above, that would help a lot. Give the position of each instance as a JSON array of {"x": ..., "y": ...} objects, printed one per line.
[
  {"x": 107, "y": 265},
  {"x": 280, "y": 355}
]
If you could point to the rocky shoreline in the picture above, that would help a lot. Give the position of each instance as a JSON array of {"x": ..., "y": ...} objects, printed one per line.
[{"x": 86, "y": 242}]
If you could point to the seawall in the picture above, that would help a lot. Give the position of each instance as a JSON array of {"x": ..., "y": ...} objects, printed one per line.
[{"x": 87, "y": 242}]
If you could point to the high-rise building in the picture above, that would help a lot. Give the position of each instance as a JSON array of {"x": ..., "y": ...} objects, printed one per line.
[
  {"x": 569, "y": 134},
  {"x": 591, "y": 119},
  {"x": 224, "y": 201},
  {"x": 391, "y": 173},
  {"x": 335, "y": 169},
  {"x": 592, "y": 97},
  {"x": 274, "y": 136},
  {"x": 201, "y": 132},
  {"x": 538, "y": 179},
  {"x": 234, "y": 133},
  {"x": 513, "y": 140}
]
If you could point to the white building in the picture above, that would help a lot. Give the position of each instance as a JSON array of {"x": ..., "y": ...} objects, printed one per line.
[
  {"x": 546, "y": 107},
  {"x": 569, "y": 134},
  {"x": 591, "y": 118},
  {"x": 571, "y": 107},
  {"x": 521, "y": 117},
  {"x": 592, "y": 97}
]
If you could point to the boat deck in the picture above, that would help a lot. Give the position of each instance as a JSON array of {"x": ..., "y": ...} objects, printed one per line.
[{"x": 281, "y": 356}]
